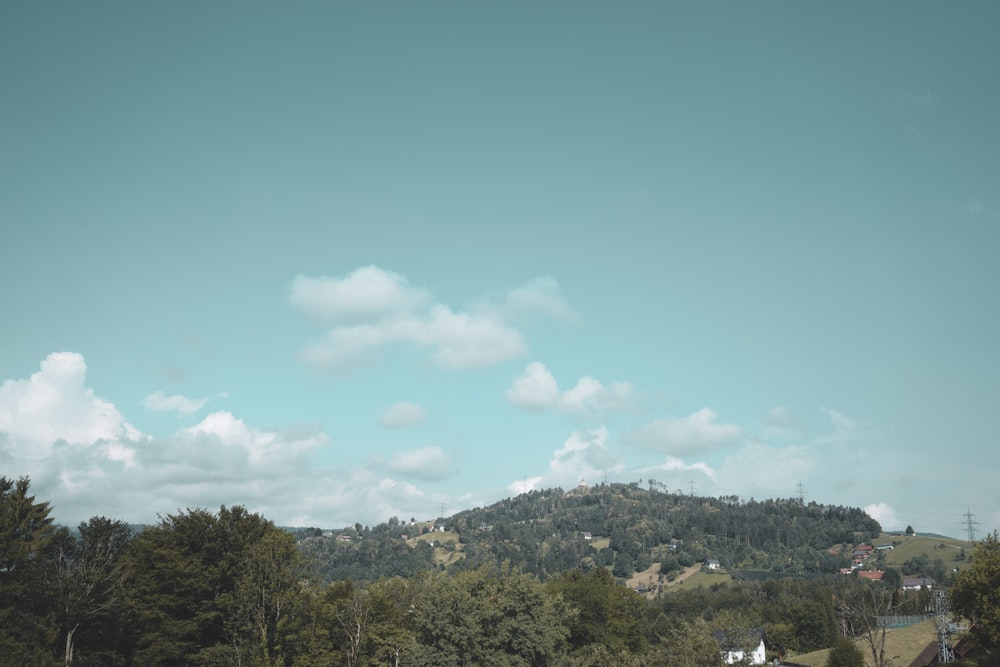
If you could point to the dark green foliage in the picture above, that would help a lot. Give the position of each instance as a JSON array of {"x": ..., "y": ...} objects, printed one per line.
[
  {"x": 975, "y": 595},
  {"x": 607, "y": 614},
  {"x": 89, "y": 590},
  {"x": 207, "y": 589},
  {"x": 540, "y": 533},
  {"x": 845, "y": 654},
  {"x": 28, "y": 628}
]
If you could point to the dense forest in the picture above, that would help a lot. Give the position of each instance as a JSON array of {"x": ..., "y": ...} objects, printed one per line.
[
  {"x": 543, "y": 533},
  {"x": 521, "y": 585}
]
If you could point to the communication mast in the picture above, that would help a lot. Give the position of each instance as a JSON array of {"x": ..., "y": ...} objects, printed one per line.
[{"x": 945, "y": 627}]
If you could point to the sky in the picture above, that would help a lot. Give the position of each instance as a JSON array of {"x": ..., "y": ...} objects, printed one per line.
[{"x": 343, "y": 261}]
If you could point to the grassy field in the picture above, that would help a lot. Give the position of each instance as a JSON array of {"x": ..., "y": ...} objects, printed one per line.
[
  {"x": 442, "y": 556},
  {"x": 907, "y": 547},
  {"x": 901, "y": 644}
]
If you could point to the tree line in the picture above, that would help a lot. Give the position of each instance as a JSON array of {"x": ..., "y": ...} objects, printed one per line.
[{"x": 230, "y": 588}]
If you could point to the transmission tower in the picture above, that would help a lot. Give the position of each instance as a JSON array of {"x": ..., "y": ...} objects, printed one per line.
[
  {"x": 802, "y": 493},
  {"x": 691, "y": 488},
  {"x": 970, "y": 525},
  {"x": 946, "y": 627}
]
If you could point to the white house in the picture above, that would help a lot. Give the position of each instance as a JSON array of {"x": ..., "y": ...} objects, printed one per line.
[{"x": 732, "y": 655}]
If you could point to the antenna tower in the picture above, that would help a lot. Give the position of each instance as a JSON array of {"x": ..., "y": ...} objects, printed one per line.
[
  {"x": 970, "y": 525},
  {"x": 945, "y": 627}
]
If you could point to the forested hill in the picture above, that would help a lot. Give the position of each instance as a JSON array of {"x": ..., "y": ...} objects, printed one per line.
[{"x": 624, "y": 526}]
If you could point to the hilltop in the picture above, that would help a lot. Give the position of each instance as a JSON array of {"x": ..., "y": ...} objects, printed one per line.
[{"x": 623, "y": 527}]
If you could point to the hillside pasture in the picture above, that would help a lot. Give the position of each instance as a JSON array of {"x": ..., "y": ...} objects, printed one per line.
[{"x": 902, "y": 645}]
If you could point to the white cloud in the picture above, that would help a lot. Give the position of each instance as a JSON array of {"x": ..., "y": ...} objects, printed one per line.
[
  {"x": 885, "y": 514},
  {"x": 425, "y": 463},
  {"x": 372, "y": 308},
  {"x": 366, "y": 293},
  {"x": 540, "y": 295},
  {"x": 402, "y": 415},
  {"x": 675, "y": 464},
  {"x": 524, "y": 485},
  {"x": 761, "y": 470},
  {"x": 698, "y": 432},
  {"x": 536, "y": 389},
  {"x": 53, "y": 404},
  {"x": 591, "y": 398},
  {"x": 585, "y": 454},
  {"x": 158, "y": 401}
]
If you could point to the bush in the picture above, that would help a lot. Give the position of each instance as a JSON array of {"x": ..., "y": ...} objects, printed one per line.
[{"x": 845, "y": 654}]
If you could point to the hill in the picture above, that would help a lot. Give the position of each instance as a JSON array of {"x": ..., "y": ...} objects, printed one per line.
[{"x": 623, "y": 527}]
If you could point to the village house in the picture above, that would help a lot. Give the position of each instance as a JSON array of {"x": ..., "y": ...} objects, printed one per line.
[
  {"x": 733, "y": 653},
  {"x": 916, "y": 583}
]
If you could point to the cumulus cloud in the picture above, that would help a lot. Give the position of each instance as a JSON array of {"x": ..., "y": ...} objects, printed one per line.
[
  {"x": 759, "y": 469},
  {"x": 536, "y": 389},
  {"x": 158, "y": 401},
  {"x": 540, "y": 295},
  {"x": 425, "y": 463},
  {"x": 675, "y": 464},
  {"x": 366, "y": 293},
  {"x": 55, "y": 405},
  {"x": 584, "y": 454},
  {"x": 524, "y": 485},
  {"x": 372, "y": 308},
  {"x": 699, "y": 432},
  {"x": 76, "y": 447},
  {"x": 885, "y": 514},
  {"x": 402, "y": 415}
]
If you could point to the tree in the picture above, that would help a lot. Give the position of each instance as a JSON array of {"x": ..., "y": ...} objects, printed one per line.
[
  {"x": 487, "y": 618},
  {"x": 27, "y": 631},
  {"x": 845, "y": 654},
  {"x": 212, "y": 589},
  {"x": 975, "y": 594},
  {"x": 862, "y": 613},
  {"x": 608, "y": 614},
  {"x": 89, "y": 583},
  {"x": 909, "y": 530}
]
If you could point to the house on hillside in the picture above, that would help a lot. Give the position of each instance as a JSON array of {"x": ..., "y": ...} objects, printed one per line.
[
  {"x": 871, "y": 575},
  {"x": 713, "y": 564},
  {"x": 734, "y": 649},
  {"x": 916, "y": 583}
]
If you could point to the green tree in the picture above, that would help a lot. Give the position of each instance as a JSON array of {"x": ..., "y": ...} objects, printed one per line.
[
  {"x": 27, "y": 626},
  {"x": 89, "y": 587},
  {"x": 845, "y": 654},
  {"x": 212, "y": 589},
  {"x": 975, "y": 594},
  {"x": 607, "y": 613},
  {"x": 489, "y": 619}
]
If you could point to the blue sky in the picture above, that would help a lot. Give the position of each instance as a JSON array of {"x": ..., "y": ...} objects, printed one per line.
[{"x": 343, "y": 261}]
